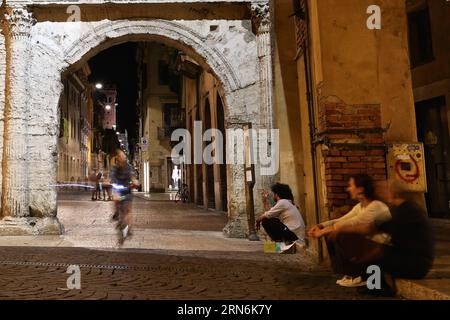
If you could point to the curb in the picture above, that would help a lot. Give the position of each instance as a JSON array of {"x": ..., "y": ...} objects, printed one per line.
[{"x": 414, "y": 291}]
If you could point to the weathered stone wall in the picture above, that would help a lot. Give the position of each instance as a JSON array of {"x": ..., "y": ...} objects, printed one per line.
[
  {"x": 229, "y": 52},
  {"x": 43, "y": 129}
]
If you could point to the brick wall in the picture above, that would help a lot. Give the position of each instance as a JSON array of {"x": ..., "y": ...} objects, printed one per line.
[{"x": 355, "y": 144}]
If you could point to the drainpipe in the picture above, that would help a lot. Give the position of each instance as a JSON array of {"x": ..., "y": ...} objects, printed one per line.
[{"x": 312, "y": 117}]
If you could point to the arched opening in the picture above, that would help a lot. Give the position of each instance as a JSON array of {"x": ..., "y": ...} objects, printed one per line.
[{"x": 95, "y": 121}]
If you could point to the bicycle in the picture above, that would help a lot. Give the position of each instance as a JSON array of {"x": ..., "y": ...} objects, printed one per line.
[
  {"x": 122, "y": 201},
  {"x": 182, "y": 194}
]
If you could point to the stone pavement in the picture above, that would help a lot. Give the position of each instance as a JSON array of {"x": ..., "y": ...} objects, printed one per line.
[
  {"x": 177, "y": 252},
  {"x": 40, "y": 273},
  {"x": 158, "y": 224}
]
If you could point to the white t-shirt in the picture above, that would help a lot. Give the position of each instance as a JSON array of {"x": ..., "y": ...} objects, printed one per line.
[
  {"x": 289, "y": 215},
  {"x": 376, "y": 212}
]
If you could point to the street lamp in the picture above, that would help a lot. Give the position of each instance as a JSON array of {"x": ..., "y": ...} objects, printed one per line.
[
  {"x": 99, "y": 85},
  {"x": 108, "y": 107}
]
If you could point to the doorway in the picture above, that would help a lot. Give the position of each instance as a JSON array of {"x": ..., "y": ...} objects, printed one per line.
[{"x": 433, "y": 130}]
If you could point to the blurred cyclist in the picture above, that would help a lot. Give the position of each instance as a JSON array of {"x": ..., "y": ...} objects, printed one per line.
[{"x": 123, "y": 179}]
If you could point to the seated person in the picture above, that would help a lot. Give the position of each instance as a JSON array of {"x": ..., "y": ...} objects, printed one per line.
[
  {"x": 410, "y": 252},
  {"x": 283, "y": 222},
  {"x": 367, "y": 211}
]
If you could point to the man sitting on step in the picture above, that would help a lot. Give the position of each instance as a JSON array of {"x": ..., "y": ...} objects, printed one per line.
[{"x": 283, "y": 222}]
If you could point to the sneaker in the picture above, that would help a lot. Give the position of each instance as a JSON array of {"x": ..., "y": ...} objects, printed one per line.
[
  {"x": 125, "y": 232},
  {"x": 288, "y": 248},
  {"x": 344, "y": 278},
  {"x": 352, "y": 282}
]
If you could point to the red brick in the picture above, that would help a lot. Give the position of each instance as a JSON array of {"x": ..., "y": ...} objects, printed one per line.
[
  {"x": 376, "y": 152},
  {"x": 336, "y": 189},
  {"x": 350, "y": 118},
  {"x": 355, "y": 153},
  {"x": 379, "y": 165},
  {"x": 354, "y": 165},
  {"x": 349, "y": 125},
  {"x": 333, "y": 165},
  {"x": 330, "y": 105},
  {"x": 333, "y": 177},
  {"x": 330, "y": 112},
  {"x": 333, "y": 118},
  {"x": 374, "y": 140},
  {"x": 337, "y": 196},
  {"x": 354, "y": 159},
  {"x": 374, "y": 159},
  {"x": 337, "y": 183},
  {"x": 338, "y": 202},
  {"x": 336, "y": 159},
  {"x": 375, "y": 171},
  {"x": 333, "y": 153},
  {"x": 341, "y": 136},
  {"x": 347, "y": 171}
]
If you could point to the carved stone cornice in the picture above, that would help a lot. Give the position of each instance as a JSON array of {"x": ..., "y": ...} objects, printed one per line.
[
  {"x": 261, "y": 16},
  {"x": 18, "y": 23}
]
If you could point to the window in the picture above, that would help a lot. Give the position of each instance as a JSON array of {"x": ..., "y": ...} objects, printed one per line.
[{"x": 420, "y": 39}]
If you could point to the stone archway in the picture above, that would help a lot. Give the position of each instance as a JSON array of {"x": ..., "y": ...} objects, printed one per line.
[{"x": 38, "y": 53}]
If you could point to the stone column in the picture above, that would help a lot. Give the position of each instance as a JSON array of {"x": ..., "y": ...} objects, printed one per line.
[
  {"x": 15, "y": 199},
  {"x": 237, "y": 226},
  {"x": 18, "y": 23},
  {"x": 261, "y": 19},
  {"x": 42, "y": 148},
  {"x": 262, "y": 24}
]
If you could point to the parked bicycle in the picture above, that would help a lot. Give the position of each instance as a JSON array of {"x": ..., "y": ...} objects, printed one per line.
[{"x": 182, "y": 194}]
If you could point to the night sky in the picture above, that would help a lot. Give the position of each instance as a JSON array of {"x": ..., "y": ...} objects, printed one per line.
[{"x": 117, "y": 66}]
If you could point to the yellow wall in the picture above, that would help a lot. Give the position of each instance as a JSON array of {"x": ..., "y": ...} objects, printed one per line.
[{"x": 286, "y": 109}]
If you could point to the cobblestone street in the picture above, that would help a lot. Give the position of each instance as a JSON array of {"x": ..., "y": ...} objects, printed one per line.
[{"x": 148, "y": 269}]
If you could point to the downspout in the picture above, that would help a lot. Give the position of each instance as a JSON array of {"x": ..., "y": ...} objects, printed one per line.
[{"x": 312, "y": 117}]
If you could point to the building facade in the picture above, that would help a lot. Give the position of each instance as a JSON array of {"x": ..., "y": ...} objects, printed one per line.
[
  {"x": 160, "y": 115},
  {"x": 428, "y": 22},
  {"x": 338, "y": 89},
  {"x": 76, "y": 119}
]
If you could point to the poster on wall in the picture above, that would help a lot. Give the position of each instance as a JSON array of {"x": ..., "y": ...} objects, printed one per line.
[{"x": 406, "y": 164}]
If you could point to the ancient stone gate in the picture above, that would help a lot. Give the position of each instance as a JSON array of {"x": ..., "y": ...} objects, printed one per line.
[{"x": 39, "y": 42}]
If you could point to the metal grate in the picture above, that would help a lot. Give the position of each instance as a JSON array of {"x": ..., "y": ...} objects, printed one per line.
[{"x": 48, "y": 264}]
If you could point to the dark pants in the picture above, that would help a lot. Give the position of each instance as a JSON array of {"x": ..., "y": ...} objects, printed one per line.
[
  {"x": 345, "y": 246},
  {"x": 277, "y": 231},
  {"x": 405, "y": 265}
]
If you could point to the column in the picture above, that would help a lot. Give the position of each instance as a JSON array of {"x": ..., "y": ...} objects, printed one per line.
[
  {"x": 261, "y": 19},
  {"x": 237, "y": 226},
  {"x": 18, "y": 23},
  {"x": 262, "y": 23}
]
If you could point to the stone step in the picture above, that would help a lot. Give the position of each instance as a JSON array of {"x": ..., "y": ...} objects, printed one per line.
[{"x": 427, "y": 289}]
